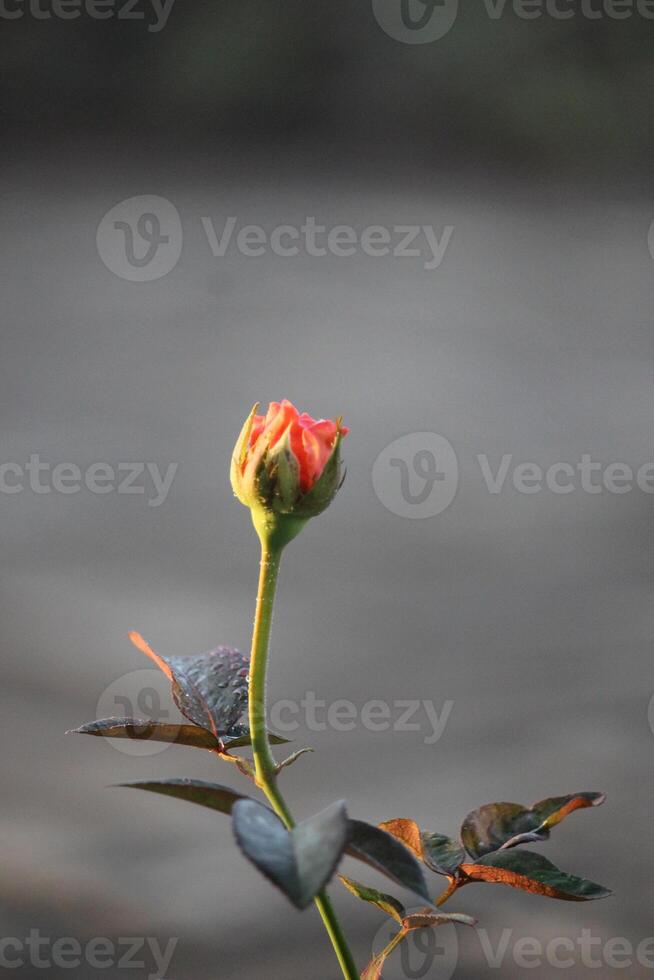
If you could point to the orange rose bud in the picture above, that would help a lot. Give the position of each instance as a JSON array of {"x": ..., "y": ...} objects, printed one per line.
[{"x": 286, "y": 464}]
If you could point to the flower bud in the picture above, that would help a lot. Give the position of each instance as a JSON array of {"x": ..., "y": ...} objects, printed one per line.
[{"x": 286, "y": 467}]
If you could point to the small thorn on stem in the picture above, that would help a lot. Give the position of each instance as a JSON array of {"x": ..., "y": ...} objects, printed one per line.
[{"x": 291, "y": 759}]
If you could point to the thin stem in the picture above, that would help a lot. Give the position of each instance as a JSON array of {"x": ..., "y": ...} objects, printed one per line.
[
  {"x": 453, "y": 886},
  {"x": 265, "y": 766},
  {"x": 339, "y": 942}
]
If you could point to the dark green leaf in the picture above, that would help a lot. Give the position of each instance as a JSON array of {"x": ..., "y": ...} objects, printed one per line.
[
  {"x": 211, "y": 795},
  {"x": 385, "y": 853},
  {"x": 386, "y": 903},
  {"x": 532, "y": 872},
  {"x": 426, "y": 918},
  {"x": 442, "y": 854},
  {"x": 210, "y": 689},
  {"x": 154, "y": 731},
  {"x": 138, "y": 728},
  {"x": 300, "y": 862},
  {"x": 230, "y": 741},
  {"x": 554, "y": 809},
  {"x": 493, "y": 825},
  {"x": 503, "y": 825}
]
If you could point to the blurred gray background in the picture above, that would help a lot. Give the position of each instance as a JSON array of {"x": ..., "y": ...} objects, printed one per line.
[{"x": 532, "y": 613}]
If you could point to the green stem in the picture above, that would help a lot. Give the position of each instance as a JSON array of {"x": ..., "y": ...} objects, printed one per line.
[{"x": 265, "y": 766}]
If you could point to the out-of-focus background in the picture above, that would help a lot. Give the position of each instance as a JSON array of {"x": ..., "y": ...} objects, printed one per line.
[{"x": 524, "y": 619}]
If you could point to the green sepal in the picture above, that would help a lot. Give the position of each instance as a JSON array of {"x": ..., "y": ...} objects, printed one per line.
[{"x": 326, "y": 486}]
